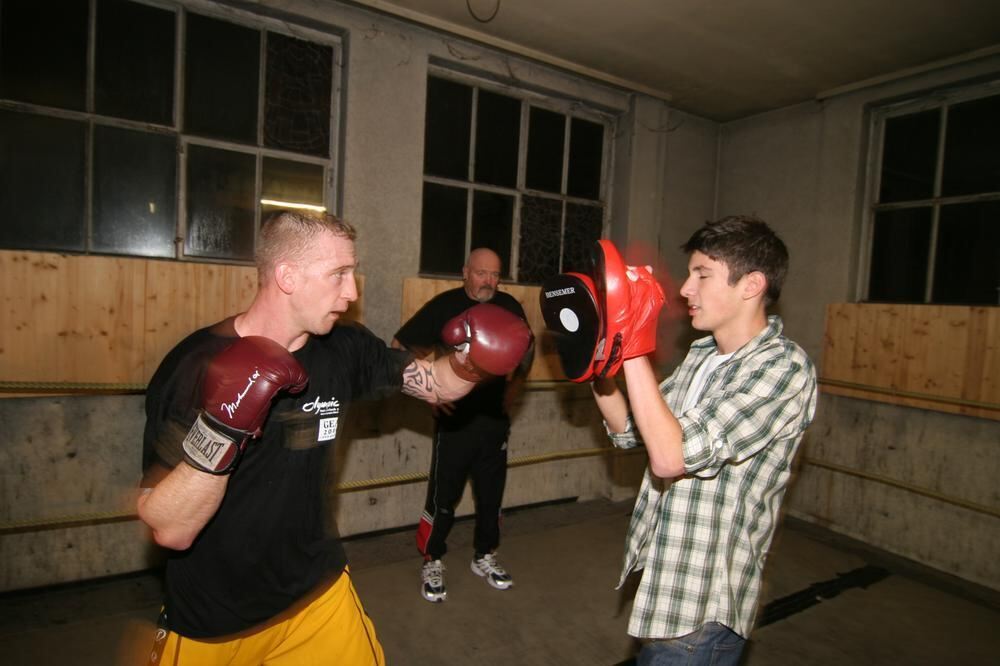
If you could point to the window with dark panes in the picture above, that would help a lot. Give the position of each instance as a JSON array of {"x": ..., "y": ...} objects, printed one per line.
[
  {"x": 135, "y": 192},
  {"x": 935, "y": 231},
  {"x": 54, "y": 34},
  {"x": 221, "y": 206},
  {"x": 444, "y": 214},
  {"x": 492, "y": 223},
  {"x": 221, "y": 77},
  {"x": 546, "y": 133},
  {"x": 134, "y": 69},
  {"x": 540, "y": 238},
  {"x": 501, "y": 172},
  {"x": 297, "y": 95},
  {"x": 447, "y": 126},
  {"x": 498, "y": 127},
  {"x": 93, "y": 115},
  {"x": 40, "y": 155}
]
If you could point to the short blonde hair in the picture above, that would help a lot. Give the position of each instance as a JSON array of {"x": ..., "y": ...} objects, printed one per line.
[{"x": 287, "y": 235}]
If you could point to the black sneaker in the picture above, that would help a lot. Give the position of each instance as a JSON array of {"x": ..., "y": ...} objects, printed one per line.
[
  {"x": 487, "y": 567},
  {"x": 433, "y": 577}
]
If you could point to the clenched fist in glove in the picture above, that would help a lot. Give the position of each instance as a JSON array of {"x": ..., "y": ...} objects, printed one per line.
[
  {"x": 495, "y": 341},
  {"x": 632, "y": 302},
  {"x": 237, "y": 390},
  {"x": 646, "y": 299}
]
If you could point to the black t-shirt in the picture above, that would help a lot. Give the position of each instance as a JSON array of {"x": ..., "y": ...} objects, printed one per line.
[
  {"x": 482, "y": 408},
  {"x": 271, "y": 540}
]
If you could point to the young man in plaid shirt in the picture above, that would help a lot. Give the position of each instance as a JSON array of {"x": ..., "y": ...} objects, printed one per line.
[{"x": 721, "y": 433}]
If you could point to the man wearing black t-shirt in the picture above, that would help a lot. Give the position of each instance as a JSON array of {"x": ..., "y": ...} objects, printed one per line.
[
  {"x": 471, "y": 434},
  {"x": 240, "y": 419}
]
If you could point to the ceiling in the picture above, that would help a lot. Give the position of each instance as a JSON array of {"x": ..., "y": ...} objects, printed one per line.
[{"x": 723, "y": 59}]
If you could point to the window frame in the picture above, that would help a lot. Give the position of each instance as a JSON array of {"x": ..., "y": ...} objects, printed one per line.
[
  {"x": 570, "y": 108},
  {"x": 286, "y": 25},
  {"x": 878, "y": 115}
]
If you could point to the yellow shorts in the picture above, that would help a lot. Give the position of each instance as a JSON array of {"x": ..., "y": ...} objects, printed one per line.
[{"x": 330, "y": 628}]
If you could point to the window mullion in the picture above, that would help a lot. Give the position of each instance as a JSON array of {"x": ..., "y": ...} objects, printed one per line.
[
  {"x": 91, "y": 59},
  {"x": 876, "y": 138},
  {"x": 563, "y": 187},
  {"x": 259, "y": 173},
  {"x": 179, "y": 78},
  {"x": 333, "y": 167},
  {"x": 522, "y": 165},
  {"x": 88, "y": 146},
  {"x": 471, "y": 171},
  {"x": 936, "y": 212}
]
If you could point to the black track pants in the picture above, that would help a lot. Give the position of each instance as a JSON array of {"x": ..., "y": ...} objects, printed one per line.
[{"x": 455, "y": 458}]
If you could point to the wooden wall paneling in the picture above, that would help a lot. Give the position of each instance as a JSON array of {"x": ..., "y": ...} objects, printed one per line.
[
  {"x": 182, "y": 297},
  {"x": 169, "y": 310},
  {"x": 885, "y": 368},
  {"x": 918, "y": 345},
  {"x": 103, "y": 305},
  {"x": 991, "y": 357},
  {"x": 982, "y": 363},
  {"x": 839, "y": 341},
  {"x": 943, "y": 334},
  {"x": 417, "y": 291},
  {"x": 70, "y": 318},
  {"x": 109, "y": 320},
  {"x": 240, "y": 287},
  {"x": 863, "y": 366},
  {"x": 924, "y": 356},
  {"x": 30, "y": 310},
  {"x": 990, "y": 382}
]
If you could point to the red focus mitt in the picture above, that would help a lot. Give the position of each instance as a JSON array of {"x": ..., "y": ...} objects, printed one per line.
[{"x": 630, "y": 301}]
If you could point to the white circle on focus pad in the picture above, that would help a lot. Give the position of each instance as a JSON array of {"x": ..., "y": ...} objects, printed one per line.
[{"x": 569, "y": 320}]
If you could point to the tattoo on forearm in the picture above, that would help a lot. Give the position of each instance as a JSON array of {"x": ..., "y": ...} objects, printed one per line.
[{"x": 418, "y": 381}]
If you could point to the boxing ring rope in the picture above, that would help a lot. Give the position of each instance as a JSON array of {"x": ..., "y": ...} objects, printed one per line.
[
  {"x": 903, "y": 485},
  {"x": 884, "y": 390},
  {"x": 70, "y": 388},
  {"x": 89, "y": 519}
]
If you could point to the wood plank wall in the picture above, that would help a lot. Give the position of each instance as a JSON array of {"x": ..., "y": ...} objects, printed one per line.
[
  {"x": 70, "y": 319},
  {"x": 944, "y": 358},
  {"x": 546, "y": 367}
]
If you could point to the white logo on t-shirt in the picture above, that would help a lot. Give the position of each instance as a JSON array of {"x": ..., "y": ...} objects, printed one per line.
[{"x": 327, "y": 429}]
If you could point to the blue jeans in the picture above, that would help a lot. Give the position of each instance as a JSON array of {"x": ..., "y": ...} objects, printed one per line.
[{"x": 712, "y": 644}]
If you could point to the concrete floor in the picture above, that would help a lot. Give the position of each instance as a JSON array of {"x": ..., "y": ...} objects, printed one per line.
[{"x": 563, "y": 608}]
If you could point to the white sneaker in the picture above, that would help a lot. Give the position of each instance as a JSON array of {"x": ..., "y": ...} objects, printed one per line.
[
  {"x": 487, "y": 567},
  {"x": 433, "y": 577}
]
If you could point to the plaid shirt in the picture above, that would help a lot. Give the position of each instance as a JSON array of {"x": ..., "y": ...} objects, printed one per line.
[{"x": 703, "y": 538}]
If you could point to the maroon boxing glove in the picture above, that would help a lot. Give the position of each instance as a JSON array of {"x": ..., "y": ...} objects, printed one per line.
[
  {"x": 495, "y": 340},
  {"x": 237, "y": 390}
]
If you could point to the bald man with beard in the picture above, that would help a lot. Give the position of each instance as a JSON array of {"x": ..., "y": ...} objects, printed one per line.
[{"x": 470, "y": 438}]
